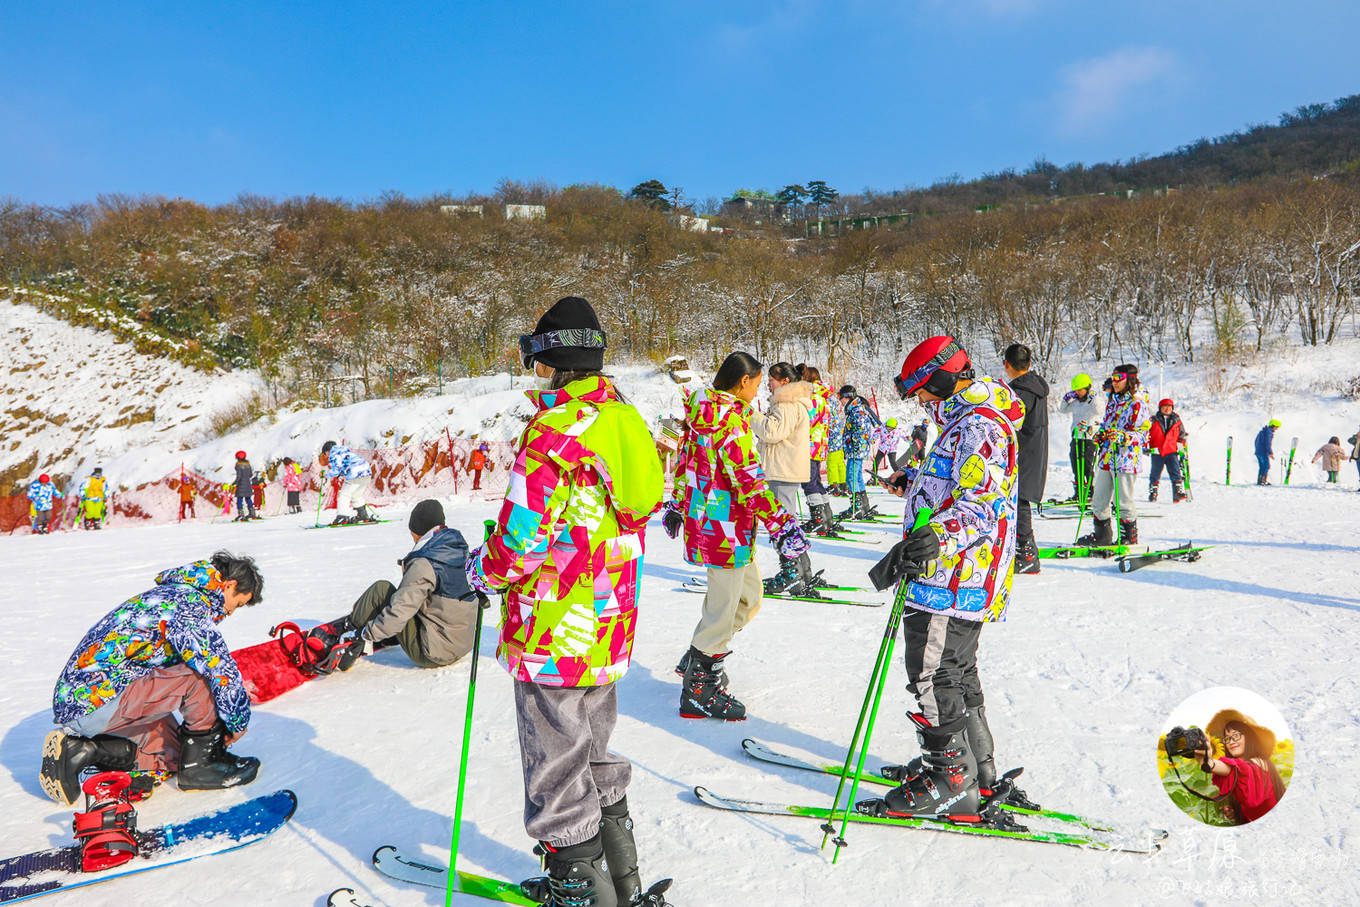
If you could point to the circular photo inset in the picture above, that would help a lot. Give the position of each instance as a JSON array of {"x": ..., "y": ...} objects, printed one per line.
[{"x": 1225, "y": 756}]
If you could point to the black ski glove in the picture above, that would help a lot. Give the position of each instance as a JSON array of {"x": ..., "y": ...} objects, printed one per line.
[
  {"x": 906, "y": 559},
  {"x": 673, "y": 520}
]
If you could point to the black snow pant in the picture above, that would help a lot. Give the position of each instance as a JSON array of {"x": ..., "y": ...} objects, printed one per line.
[
  {"x": 941, "y": 656},
  {"x": 1083, "y": 451},
  {"x": 1024, "y": 521}
]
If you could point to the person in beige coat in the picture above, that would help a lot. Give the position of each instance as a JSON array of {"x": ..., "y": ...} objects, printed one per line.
[
  {"x": 1331, "y": 454},
  {"x": 784, "y": 434}
]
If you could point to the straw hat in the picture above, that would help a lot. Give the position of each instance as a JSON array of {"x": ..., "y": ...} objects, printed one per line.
[{"x": 1260, "y": 740}]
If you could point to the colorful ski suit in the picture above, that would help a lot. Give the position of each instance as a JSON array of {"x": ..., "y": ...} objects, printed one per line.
[
  {"x": 859, "y": 427},
  {"x": 92, "y": 489},
  {"x": 172, "y": 624},
  {"x": 41, "y": 494},
  {"x": 720, "y": 485},
  {"x": 819, "y": 421},
  {"x": 344, "y": 463},
  {"x": 570, "y": 537},
  {"x": 836, "y": 420},
  {"x": 970, "y": 480},
  {"x": 890, "y": 440},
  {"x": 1130, "y": 415},
  {"x": 292, "y": 478}
]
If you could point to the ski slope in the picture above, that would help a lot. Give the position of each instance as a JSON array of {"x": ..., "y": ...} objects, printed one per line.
[{"x": 1079, "y": 681}]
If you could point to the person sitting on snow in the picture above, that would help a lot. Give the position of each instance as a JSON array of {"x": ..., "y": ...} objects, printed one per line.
[
  {"x": 157, "y": 654},
  {"x": 342, "y": 463},
  {"x": 40, "y": 495}
]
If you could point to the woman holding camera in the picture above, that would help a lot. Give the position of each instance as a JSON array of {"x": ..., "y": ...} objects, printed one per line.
[{"x": 1246, "y": 774}]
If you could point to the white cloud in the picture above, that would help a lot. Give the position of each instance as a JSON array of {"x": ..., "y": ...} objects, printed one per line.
[
  {"x": 1092, "y": 92},
  {"x": 783, "y": 18}
]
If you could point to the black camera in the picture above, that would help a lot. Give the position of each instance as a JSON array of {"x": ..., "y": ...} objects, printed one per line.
[{"x": 1185, "y": 741}]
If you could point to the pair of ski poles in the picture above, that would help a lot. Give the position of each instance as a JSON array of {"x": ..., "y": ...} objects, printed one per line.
[{"x": 873, "y": 695}]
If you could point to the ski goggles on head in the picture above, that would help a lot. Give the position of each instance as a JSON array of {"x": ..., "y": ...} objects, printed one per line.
[
  {"x": 921, "y": 377},
  {"x": 532, "y": 345}
]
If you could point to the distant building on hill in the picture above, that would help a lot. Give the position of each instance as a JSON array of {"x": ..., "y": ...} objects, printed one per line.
[
  {"x": 461, "y": 209},
  {"x": 526, "y": 212},
  {"x": 749, "y": 208}
]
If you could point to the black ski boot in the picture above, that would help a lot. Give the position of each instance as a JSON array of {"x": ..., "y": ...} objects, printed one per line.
[
  {"x": 1103, "y": 534},
  {"x": 577, "y": 876},
  {"x": 702, "y": 695},
  {"x": 1152, "y": 491},
  {"x": 1177, "y": 493},
  {"x": 1128, "y": 532},
  {"x": 946, "y": 784},
  {"x": 1026, "y": 555},
  {"x": 785, "y": 580},
  {"x": 682, "y": 667},
  {"x": 364, "y": 515},
  {"x": 980, "y": 742},
  {"x": 205, "y": 764},
  {"x": 65, "y": 756}
]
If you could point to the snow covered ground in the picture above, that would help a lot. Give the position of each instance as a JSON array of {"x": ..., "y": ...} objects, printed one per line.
[{"x": 1080, "y": 680}]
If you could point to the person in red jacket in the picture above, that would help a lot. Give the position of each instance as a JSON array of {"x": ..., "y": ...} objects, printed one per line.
[
  {"x": 1246, "y": 775},
  {"x": 476, "y": 463},
  {"x": 1165, "y": 439}
]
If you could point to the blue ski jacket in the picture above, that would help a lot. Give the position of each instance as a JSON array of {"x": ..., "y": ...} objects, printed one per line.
[{"x": 1265, "y": 442}]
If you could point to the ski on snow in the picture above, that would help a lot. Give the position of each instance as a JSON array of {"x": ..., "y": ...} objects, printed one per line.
[
  {"x": 701, "y": 589},
  {"x": 58, "y": 869},
  {"x": 1089, "y": 841},
  {"x": 757, "y": 750},
  {"x": 391, "y": 862},
  {"x": 344, "y": 897},
  {"x": 1186, "y": 553}
]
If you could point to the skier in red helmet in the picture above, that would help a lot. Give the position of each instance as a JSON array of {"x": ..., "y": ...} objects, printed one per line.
[
  {"x": 1166, "y": 438},
  {"x": 958, "y": 570}
]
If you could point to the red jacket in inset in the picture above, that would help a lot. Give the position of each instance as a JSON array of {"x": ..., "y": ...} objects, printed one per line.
[{"x": 1166, "y": 434}]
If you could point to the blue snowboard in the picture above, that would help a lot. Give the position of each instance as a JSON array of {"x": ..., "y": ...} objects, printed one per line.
[{"x": 58, "y": 869}]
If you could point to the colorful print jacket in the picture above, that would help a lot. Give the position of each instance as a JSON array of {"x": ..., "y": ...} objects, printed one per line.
[
  {"x": 292, "y": 478},
  {"x": 836, "y": 435},
  {"x": 719, "y": 484},
  {"x": 345, "y": 464},
  {"x": 890, "y": 440},
  {"x": 859, "y": 428},
  {"x": 819, "y": 421},
  {"x": 41, "y": 494},
  {"x": 1129, "y": 415},
  {"x": 570, "y": 537},
  {"x": 970, "y": 480},
  {"x": 172, "y": 624}
]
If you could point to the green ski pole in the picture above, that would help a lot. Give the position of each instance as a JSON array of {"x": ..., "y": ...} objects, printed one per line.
[
  {"x": 1227, "y": 474},
  {"x": 488, "y": 527},
  {"x": 873, "y": 694}
]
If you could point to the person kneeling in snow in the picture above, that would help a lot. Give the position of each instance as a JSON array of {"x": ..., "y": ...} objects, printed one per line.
[
  {"x": 156, "y": 654},
  {"x": 432, "y": 615},
  {"x": 343, "y": 463}
]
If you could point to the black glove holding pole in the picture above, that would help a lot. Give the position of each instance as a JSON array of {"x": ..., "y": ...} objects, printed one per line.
[{"x": 907, "y": 558}]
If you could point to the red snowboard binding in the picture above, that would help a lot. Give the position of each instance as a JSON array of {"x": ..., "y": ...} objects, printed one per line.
[
  {"x": 105, "y": 829},
  {"x": 316, "y": 652}
]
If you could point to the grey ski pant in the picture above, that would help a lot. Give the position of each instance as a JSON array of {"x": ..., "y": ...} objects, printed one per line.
[
  {"x": 569, "y": 772},
  {"x": 1102, "y": 496},
  {"x": 941, "y": 656}
]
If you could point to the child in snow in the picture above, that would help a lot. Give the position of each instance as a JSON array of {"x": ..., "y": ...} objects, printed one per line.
[
  {"x": 342, "y": 463},
  {"x": 257, "y": 489},
  {"x": 889, "y": 439},
  {"x": 820, "y": 419},
  {"x": 476, "y": 463},
  {"x": 244, "y": 498},
  {"x": 720, "y": 493},
  {"x": 919, "y": 436},
  {"x": 1166, "y": 437},
  {"x": 292, "y": 484},
  {"x": 1122, "y": 437},
  {"x": 40, "y": 495},
  {"x": 835, "y": 449},
  {"x": 784, "y": 434},
  {"x": 567, "y": 552},
  {"x": 433, "y": 613},
  {"x": 186, "y": 497},
  {"x": 93, "y": 499},
  {"x": 860, "y": 423},
  {"x": 156, "y": 654},
  {"x": 1086, "y": 411},
  {"x": 1331, "y": 455},
  {"x": 958, "y": 569},
  {"x": 1247, "y": 773},
  {"x": 1265, "y": 451}
]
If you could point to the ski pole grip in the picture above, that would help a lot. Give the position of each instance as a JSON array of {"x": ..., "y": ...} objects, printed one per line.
[{"x": 488, "y": 529}]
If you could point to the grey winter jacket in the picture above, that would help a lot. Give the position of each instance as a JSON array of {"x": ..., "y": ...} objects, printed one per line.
[
  {"x": 446, "y": 622},
  {"x": 1032, "y": 439},
  {"x": 243, "y": 476}
]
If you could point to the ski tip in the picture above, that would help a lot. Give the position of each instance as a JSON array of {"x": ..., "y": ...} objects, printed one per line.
[{"x": 379, "y": 853}]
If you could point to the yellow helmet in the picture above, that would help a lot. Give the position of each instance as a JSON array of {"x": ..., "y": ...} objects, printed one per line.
[{"x": 1080, "y": 381}]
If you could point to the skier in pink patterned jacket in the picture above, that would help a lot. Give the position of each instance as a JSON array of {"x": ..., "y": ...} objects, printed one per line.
[
  {"x": 1122, "y": 437},
  {"x": 957, "y": 569},
  {"x": 567, "y": 553}
]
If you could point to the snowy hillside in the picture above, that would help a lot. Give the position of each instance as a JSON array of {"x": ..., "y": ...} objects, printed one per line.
[{"x": 74, "y": 396}]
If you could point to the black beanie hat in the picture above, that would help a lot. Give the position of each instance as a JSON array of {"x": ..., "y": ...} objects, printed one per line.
[
  {"x": 568, "y": 337},
  {"x": 425, "y": 516}
]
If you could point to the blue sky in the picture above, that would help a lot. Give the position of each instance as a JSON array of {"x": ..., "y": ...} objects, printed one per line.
[{"x": 209, "y": 100}]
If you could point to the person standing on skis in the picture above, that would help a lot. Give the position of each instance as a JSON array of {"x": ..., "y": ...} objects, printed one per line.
[
  {"x": 1265, "y": 451},
  {"x": 1166, "y": 437},
  {"x": 1032, "y": 390},
  {"x": 157, "y": 655},
  {"x": 821, "y": 419},
  {"x": 720, "y": 493},
  {"x": 858, "y": 439},
  {"x": 94, "y": 499},
  {"x": 567, "y": 552},
  {"x": 342, "y": 463},
  {"x": 245, "y": 497},
  {"x": 292, "y": 484},
  {"x": 958, "y": 570},
  {"x": 1122, "y": 437},
  {"x": 1086, "y": 412},
  {"x": 41, "y": 491},
  {"x": 784, "y": 434}
]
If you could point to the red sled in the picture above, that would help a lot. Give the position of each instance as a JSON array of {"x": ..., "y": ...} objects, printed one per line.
[{"x": 284, "y": 663}]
